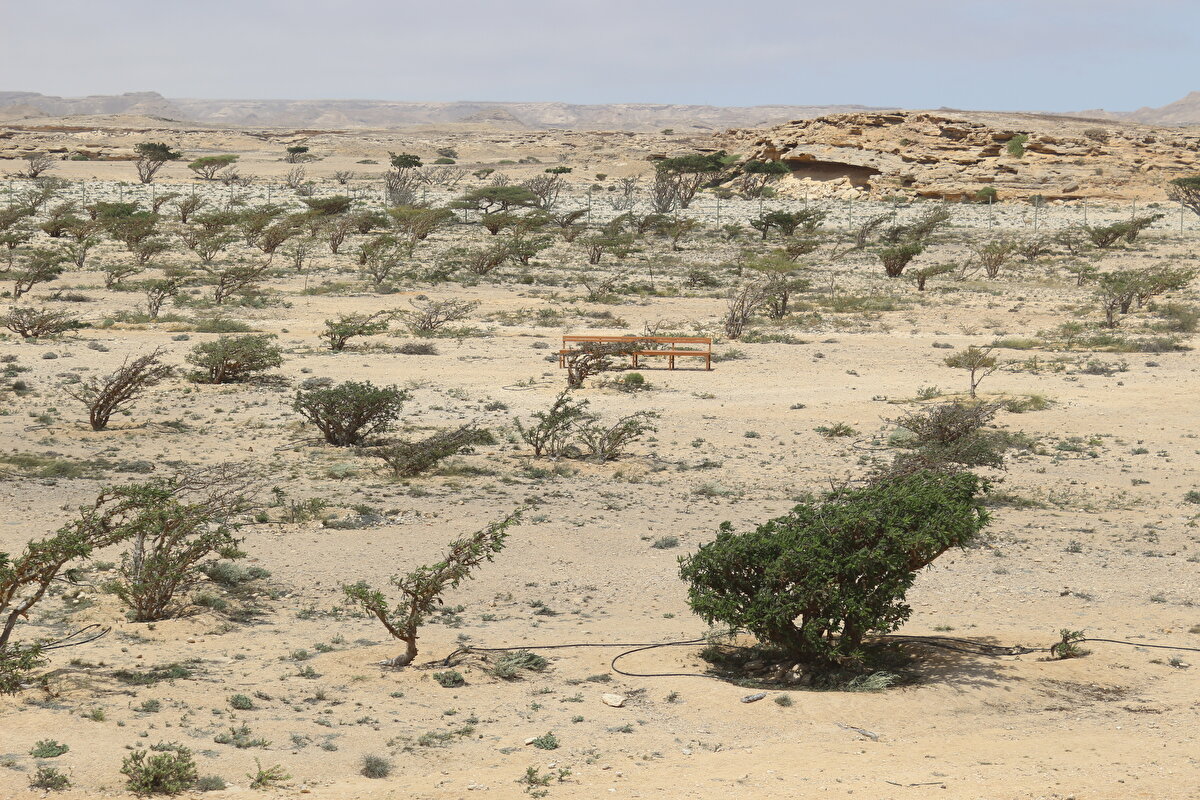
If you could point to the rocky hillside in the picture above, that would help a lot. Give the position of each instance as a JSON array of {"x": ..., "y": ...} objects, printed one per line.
[{"x": 955, "y": 155}]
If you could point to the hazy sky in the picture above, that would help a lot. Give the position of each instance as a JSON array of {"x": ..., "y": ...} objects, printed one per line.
[{"x": 995, "y": 54}]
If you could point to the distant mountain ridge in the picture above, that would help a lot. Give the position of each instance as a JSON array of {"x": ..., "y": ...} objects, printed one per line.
[
  {"x": 1184, "y": 111},
  {"x": 390, "y": 114}
]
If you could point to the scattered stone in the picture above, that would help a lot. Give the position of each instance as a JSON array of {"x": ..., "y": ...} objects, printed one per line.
[
  {"x": 754, "y": 698},
  {"x": 614, "y": 700}
]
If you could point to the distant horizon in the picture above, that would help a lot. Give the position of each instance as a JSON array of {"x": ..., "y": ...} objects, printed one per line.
[{"x": 365, "y": 99}]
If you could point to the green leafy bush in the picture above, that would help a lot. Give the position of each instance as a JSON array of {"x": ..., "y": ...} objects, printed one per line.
[
  {"x": 48, "y": 748},
  {"x": 449, "y": 679},
  {"x": 816, "y": 581},
  {"x": 348, "y": 413},
  {"x": 234, "y": 358}
]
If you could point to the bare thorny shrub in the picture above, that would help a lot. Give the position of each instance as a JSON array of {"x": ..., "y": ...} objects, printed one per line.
[
  {"x": 33, "y": 323},
  {"x": 742, "y": 304},
  {"x": 421, "y": 590},
  {"x": 106, "y": 395}
]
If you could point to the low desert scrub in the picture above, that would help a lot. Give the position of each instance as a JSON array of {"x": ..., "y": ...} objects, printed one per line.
[
  {"x": 408, "y": 459},
  {"x": 48, "y": 748},
  {"x": 509, "y": 666},
  {"x": 550, "y": 431},
  {"x": 590, "y": 359},
  {"x": 49, "y": 779},
  {"x": 375, "y": 767},
  {"x": 266, "y": 778},
  {"x": 605, "y": 442},
  {"x": 170, "y": 771},
  {"x": 422, "y": 589}
]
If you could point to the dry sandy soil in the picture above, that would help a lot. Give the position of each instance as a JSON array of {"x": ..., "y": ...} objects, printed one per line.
[{"x": 1095, "y": 535}]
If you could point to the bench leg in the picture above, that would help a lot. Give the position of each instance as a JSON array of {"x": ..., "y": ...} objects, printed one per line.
[
  {"x": 635, "y": 360},
  {"x": 671, "y": 359},
  {"x": 708, "y": 363}
]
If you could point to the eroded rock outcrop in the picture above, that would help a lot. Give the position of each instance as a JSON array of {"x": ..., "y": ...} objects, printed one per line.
[{"x": 952, "y": 155}]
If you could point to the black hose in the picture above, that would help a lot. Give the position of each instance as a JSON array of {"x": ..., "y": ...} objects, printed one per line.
[{"x": 952, "y": 643}]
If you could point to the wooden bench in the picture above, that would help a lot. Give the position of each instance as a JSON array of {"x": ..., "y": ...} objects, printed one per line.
[{"x": 670, "y": 347}]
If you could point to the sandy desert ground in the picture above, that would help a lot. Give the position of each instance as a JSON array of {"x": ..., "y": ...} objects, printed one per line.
[{"x": 1091, "y": 529}]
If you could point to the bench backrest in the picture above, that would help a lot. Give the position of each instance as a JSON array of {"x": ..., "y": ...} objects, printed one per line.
[{"x": 580, "y": 339}]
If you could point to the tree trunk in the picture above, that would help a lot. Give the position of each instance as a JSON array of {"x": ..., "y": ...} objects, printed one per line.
[{"x": 405, "y": 658}]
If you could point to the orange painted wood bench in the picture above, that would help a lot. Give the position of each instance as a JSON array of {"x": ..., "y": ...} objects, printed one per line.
[{"x": 671, "y": 347}]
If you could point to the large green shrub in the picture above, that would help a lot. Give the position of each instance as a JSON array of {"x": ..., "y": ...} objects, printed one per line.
[
  {"x": 816, "y": 581},
  {"x": 348, "y": 413},
  {"x": 234, "y": 358}
]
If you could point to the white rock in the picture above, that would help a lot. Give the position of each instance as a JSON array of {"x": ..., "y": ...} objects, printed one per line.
[{"x": 614, "y": 700}]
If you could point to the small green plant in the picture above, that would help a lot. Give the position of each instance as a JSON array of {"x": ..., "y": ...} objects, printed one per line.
[
  {"x": 242, "y": 738},
  {"x": 547, "y": 741},
  {"x": 210, "y": 783},
  {"x": 449, "y": 679},
  {"x": 169, "y": 771},
  {"x": 48, "y": 748},
  {"x": 49, "y": 779},
  {"x": 266, "y": 778},
  {"x": 509, "y": 665},
  {"x": 1068, "y": 645},
  {"x": 836, "y": 430},
  {"x": 241, "y": 702},
  {"x": 665, "y": 542},
  {"x": 1016, "y": 145},
  {"x": 784, "y": 700},
  {"x": 376, "y": 767}
]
